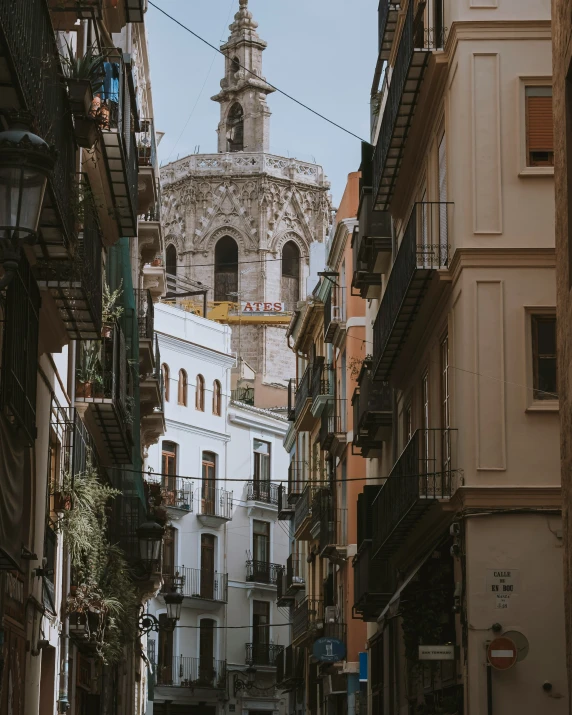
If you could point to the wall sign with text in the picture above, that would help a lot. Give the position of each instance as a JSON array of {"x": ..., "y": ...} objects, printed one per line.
[
  {"x": 261, "y": 307},
  {"x": 502, "y": 585}
]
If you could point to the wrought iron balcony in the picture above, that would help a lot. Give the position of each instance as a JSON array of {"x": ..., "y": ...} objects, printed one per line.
[
  {"x": 74, "y": 280},
  {"x": 373, "y": 411},
  {"x": 214, "y": 506},
  {"x": 152, "y": 399},
  {"x": 333, "y": 427},
  {"x": 146, "y": 324},
  {"x": 147, "y": 159},
  {"x": 262, "y": 572},
  {"x": 333, "y": 529},
  {"x": 308, "y": 616},
  {"x": 371, "y": 245},
  {"x": 291, "y": 414},
  {"x": 423, "y": 250},
  {"x": 322, "y": 380},
  {"x": 149, "y": 240},
  {"x": 415, "y": 46},
  {"x": 201, "y": 584},
  {"x": 297, "y": 477},
  {"x": 294, "y": 574},
  {"x": 185, "y": 672},
  {"x": 128, "y": 513},
  {"x": 101, "y": 393},
  {"x": 387, "y": 18},
  {"x": 365, "y": 514},
  {"x": 303, "y": 514},
  {"x": 285, "y": 508},
  {"x": 262, "y": 491},
  {"x": 334, "y": 312},
  {"x": 176, "y": 494},
  {"x": 303, "y": 395},
  {"x": 423, "y": 475},
  {"x": 374, "y": 584},
  {"x": 262, "y": 654},
  {"x": 243, "y": 394},
  {"x": 290, "y": 667}
]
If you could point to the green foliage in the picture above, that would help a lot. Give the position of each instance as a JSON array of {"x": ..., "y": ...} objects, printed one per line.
[
  {"x": 111, "y": 311},
  {"x": 89, "y": 367},
  {"x": 89, "y": 66}
]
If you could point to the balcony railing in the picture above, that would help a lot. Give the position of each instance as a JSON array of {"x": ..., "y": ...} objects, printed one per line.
[
  {"x": 290, "y": 666},
  {"x": 297, "y": 477},
  {"x": 423, "y": 475},
  {"x": 285, "y": 509},
  {"x": 406, "y": 80},
  {"x": 243, "y": 394},
  {"x": 374, "y": 584},
  {"x": 145, "y": 314},
  {"x": 322, "y": 379},
  {"x": 334, "y": 312},
  {"x": 175, "y": 492},
  {"x": 181, "y": 671},
  {"x": 216, "y": 503},
  {"x": 424, "y": 249},
  {"x": 307, "y": 615},
  {"x": 387, "y": 16},
  {"x": 19, "y": 367},
  {"x": 147, "y": 144},
  {"x": 294, "y": 574},
  {"x": 373, "y": 411},
  {"x": 333, "y": 527},
  {"x": 371, "y": 244},
  {"x": 200, "y": 583},
  {"x": 262, "y": 572},
  {"x": 365, "y": 514},
  {"x": 333, "y": 426},
  {"x": 262, "y": 653},
  {"x": 303, "y": 392},
  {"x": 303, "y": 514},
  {"x": 263, "y": 491}
]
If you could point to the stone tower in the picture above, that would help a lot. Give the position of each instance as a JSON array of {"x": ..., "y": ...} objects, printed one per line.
[{"x": 241, "y": 222}]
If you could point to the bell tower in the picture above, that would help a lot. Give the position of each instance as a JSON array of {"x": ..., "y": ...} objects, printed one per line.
[{"x": 244, "y": 115}]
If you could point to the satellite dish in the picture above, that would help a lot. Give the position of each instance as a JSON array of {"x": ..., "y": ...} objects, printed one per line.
[{"x": 521, "y": 643}]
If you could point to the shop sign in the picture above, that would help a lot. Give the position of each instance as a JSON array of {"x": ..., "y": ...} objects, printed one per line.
[
  {"x": 329, "y": 650},
  {"x": 262, "y": 307},
  {"x": 436, "y": 652},
  {"x": 363, "y": 667},
  {"x": 502, "y": 584}
]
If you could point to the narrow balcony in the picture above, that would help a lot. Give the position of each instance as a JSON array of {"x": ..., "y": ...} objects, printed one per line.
[
  {"x": 387, "y": 19},
  {"x": 262, "y": 572},
  {"x": 371, "y": 246},
  {"x": 263, "y": 654},
  {"x": 282, "y": 597},
  {"x": 146, "y": 325},
  {"x": 191, "y": 673},
  {"x": 198, "y": 585},
  {"x": 332, "y": 434},
  {"x": 332, "y": 539},
  {"x": 290, "y": 668},
  {"x": 295, "y": 581},
  {"x": 74, "y": 280},
  {"x": 214, "y": 506},
  {"x": 308, "y": 618},
  {"x": 152, "y": 402},
  {"x": 373, "y": 412},
  {"x": 285, "y": 508},
  {"x": 374, "y": 584},
  {"x": 303, "y": 513},
  {"x": 424, "y": 249},
  {"x": 150, "y": 237},
  {"x": 262, "y": 494},
  {"x": 155, "y": 277},
  {"x": 243, "y": 394},
  {"x": 415, "y": 47},
  {"x": 101, "y": 394},
  {"x": 291, "y": 413},
  {"x": 423, "y": 476},
  {"x": 322, "y": 387},
  {"x": 297, "y": 477},
  {"x": 147, "y": 160},
  {"x": 303, "y": 400},
  {"x": 175, "y": 494},
  {"x": 334, "y": 314}
]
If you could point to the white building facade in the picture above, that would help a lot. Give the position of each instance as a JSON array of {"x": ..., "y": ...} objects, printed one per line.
[{"x": 216, "y": 471}]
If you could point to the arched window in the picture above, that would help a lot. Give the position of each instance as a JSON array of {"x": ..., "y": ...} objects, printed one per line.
[
  {"x": 217, "y": 397},
  {"x": 290, "y": 274},
  {"x": 235, "y": 128},
  {"x": 183, "y": 384},
  {"x": 165, "y": 370},
  {"x": 171, "y": 267},
  {"x": 226, "y": 269},
  {"x": 200, "y": 393},
  {"x": 234, "y": 65}
]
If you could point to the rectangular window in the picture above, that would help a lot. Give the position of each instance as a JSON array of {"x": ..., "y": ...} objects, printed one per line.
[
  {"x": 261, "y": 541},
  {"x": 261, "y": 632},
  {"x": 544, "y": 366},
  {"x": 208, "y": 485},
  {"x": 169, "y": 465},
  {"x": 539, "y": 127},
  {"x": 261, "y": 461}
]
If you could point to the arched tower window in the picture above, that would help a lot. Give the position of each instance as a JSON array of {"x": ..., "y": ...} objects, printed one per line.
[
  {"x": 183, "y": 388},
  {"x": 290, "y": 274},
  {"x": 234, "y": 65},
  {"x": 235, "y": 128},
  {"x": 226, "y": 269},
  {"x": 171, "y": 266},
  {"x": 165, "y": 369},
  {"x": 217, "y": 397},
  {"x": 200, "y": 394}
]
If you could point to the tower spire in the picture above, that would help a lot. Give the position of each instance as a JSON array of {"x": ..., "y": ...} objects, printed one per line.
[{"x": 244, "y": 114}]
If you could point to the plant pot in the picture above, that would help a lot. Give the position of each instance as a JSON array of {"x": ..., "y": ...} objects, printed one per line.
[
  {"x": 85, "y": 130},
  {"x": 84, "y": 389},
  {"x": 62, "y": 502},
  {"x": 106, "y": 332},
  {"x": 80, "y": 95},
  {"x": 156, "y": 262}
]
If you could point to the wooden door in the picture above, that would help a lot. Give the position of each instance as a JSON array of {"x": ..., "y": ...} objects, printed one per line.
[
  {"x": 208, "y": 487},
  {"x": 207, "y": 566},
  {"x": 261, "y": 632},
  {"x": 165, "y": 665},
  {"x": 169, "y": 470},
  {"x": 206, "y": 651}
]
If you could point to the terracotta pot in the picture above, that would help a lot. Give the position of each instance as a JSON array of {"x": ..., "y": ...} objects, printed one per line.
[
  {"x": 156, "y": 262},
  {"x": 83, "y": 389}
]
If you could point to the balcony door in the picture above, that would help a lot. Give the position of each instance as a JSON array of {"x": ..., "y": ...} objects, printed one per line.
[
  {"x": 169, "y": 471},
  {"x": 165, "y": 665},
  {"x": 208, "y": 486},
  {"x": 261, "y": 632},
  {"x": 169, "y": 551},
  {"x": 262, "y": 470},
  {"x": 207, "y": 566},
  {"x": 206, "y": 651},
  {"x": 261, "y": 550}
]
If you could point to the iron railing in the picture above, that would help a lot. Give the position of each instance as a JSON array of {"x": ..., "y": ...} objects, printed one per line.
[
  {"x": 243, "y": 394},
  {"x": 32, "y": 55},
  {"x": 291, "y": 414},
  {"x": 145, "y": 314},
  {"x": 418, "y": 251},
  {"x": 297, "y": 472},
  {"x": 202, "y": 583},
  {"x": 303, "y": 391},
  {"x": 374, "y": 584},
  {"x": 334, "y": 311},
  {"x": 332, "y": 424},
  {"x": 289, "y": 666},
  {"x": 333, "y": 525},
  {"x": 294, "y": 578},
  {"x": 423, "y": 474},
  {"x": 262, "y": 491},
  {"x": 153, "y": 213},
  {"x": 76, "y": 450},
  {"x": 385, "y": 6},
  {"x": 285, "y": 509},
  {"x": 365, "y": 514},
  {"x": 262, "y": 572},
  {"x": 127, "y": 514},
  {"x": 19, "y": 368},
  {"x": 372, "y": 398},
  {"x": 322, "y": 379},
  {"x": 262, "y": 653},
  {"x": 304, "y": 505},
  {"x": 175, "y": 492},
  {"x": 185, "y": 672},
  {"x": 147, "y": 144},
  {"x": 215, "y": 502},
  {"x": 307, "y": 615}
]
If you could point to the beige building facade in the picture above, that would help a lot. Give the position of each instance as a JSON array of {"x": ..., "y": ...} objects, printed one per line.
[{"x": 465, "y": 540}]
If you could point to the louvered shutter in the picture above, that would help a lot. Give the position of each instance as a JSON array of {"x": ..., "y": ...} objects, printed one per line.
[{"x": 539, "y": 126}]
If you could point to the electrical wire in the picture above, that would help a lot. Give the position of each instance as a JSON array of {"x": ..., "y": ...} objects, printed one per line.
[
  {"x": 274, "y": 87},
  {"x": 238, "y": 263},
  {"x": 232, "y": 628}
]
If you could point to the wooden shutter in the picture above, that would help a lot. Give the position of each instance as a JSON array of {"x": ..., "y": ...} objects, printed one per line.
[{"x": 540, "y": 126}]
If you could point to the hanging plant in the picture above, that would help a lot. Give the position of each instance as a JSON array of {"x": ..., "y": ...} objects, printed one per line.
[{"x": 111, "y": 311}]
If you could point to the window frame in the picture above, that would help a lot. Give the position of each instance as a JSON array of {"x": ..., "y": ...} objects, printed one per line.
[
  {"x": 200, "y": 393},
  {"x": 217, "y": 398},
  {"x": 183, "y": 388},
  {"x": 166, "y": 380},
  {"x": 524, "y": 169},
  {"x": 532, "y": 403}
]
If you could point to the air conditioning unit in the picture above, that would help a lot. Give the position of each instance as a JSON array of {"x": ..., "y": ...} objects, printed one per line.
[
  {"x": 330, "y": 614},
  {"x": 335, "y": 684}
]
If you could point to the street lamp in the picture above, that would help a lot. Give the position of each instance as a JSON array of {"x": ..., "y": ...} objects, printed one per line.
[
  {"x": 174, "y": 601},
  {"x": 150, "y": 535},
  {"x": 26, "y": 162}
]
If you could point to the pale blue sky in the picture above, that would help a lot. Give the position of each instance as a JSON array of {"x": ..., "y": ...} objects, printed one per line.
[{"x": 321, "y": 51}]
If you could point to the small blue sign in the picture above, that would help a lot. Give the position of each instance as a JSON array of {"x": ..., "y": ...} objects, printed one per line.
[
  {"x": 329, "y": 650},
  {"x": 363, "y": 667}
]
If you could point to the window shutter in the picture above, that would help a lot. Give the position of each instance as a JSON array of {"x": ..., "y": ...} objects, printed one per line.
[{"x": 540, "y": 130}]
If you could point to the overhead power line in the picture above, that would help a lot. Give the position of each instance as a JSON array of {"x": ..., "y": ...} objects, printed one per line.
[{"x": 274, "y": 87}]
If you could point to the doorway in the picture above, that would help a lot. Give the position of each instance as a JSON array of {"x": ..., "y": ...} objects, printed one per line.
[{"x": 207, "y": 566}]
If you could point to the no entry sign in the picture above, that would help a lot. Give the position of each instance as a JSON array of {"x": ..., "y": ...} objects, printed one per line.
[{"x": 501, "y": 653}]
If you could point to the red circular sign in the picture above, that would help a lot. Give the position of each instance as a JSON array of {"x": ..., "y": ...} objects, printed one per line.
[{"x": 502, "y": 653}]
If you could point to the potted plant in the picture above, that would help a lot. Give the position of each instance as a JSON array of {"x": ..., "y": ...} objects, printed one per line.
[
  {"x": 111, "y": 311},
  {"x": 89, "y": 378}
]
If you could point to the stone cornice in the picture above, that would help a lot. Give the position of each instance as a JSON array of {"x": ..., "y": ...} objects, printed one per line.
[
  {"x": 517, "y": 497},
  {"x": 496, "y": 30},
  {"x": 185, "y": 347},
  {"x": 498, "y": 258},
  {"x": 268, "y": 423},
  {"x": 343, "y": 230},
  {"x": 193, "y": 429}
]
